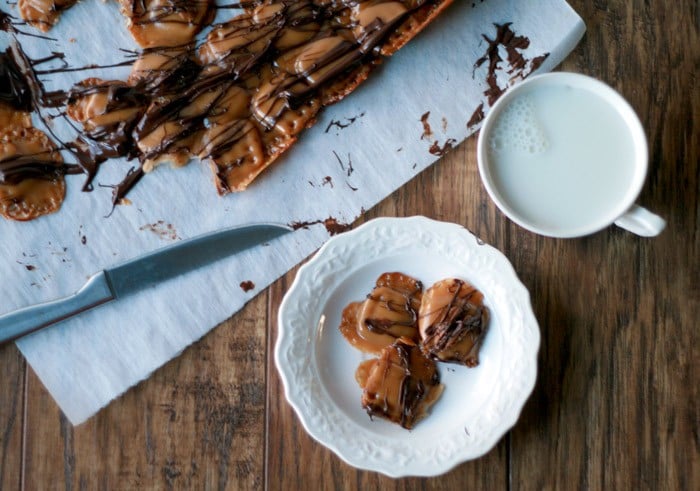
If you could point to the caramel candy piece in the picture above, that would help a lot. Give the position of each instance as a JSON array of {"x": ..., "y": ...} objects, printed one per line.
[
  {"x": 453, "y": 322},
  {"x": 108, "y": 110},
  {"x": 235, "y": 153},
  {"x": 163, "y": 71},
  {"x": 166, "y": 23},
  {"x": 171, "y": 130},
  {"x": 373, "y": 15},
  {"x": 271, "y": 109},
  {"x": 12, "y": 118},
  {"x": 31, "y": 174},
  {"x": 389, "y": 312},
  {"x": 237, "y": 43},
  {"x": 401, "y": 385},
  {"x": 43, "y": 14}
]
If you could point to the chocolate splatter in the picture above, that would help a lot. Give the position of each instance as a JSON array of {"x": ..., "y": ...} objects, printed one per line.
[
  {"x": 345, "y": 166},
  {"x": 304, "y": 225},
  {"x": 436, "y": 149},
  {"x": 83, "y": 237},
  {"x": 427, "y": 130},
  {"x": 332, "y": 225},
  {"x": 247, "y": 285},
  {"x": 328, "y": 180},
  {"x": 29, "y": 267},
  {"x": 506, "y": 38},
  {"x": 164, "y": 230},
  {"x": 517, "y": 66},
  {"x": 537, "y": 61},
  {"x": 477, "y": 117}
]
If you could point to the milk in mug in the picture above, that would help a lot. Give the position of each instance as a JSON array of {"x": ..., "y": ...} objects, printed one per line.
[{"x": 561, "y": 157}]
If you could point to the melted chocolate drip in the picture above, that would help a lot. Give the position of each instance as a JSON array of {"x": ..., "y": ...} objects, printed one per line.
[
  {"x": 16, "y": 169},
  {"x": 15, "y": 88},
  {"x": 119, "y": 191},
  {"x": 6, "y": 22}
]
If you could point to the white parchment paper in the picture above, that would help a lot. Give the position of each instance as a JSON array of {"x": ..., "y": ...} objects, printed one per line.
[{"x": 337, "y": 170}]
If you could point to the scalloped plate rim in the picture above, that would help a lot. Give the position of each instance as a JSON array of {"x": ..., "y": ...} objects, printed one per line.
[{"x": 390, "y": 468}]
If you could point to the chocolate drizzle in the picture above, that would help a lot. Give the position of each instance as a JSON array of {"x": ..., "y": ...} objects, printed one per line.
[
  {"x": 453, "y": 322},
  {"x": 236, "y": 101},
  {"x": 333, "y": 226},
  {"x": 20, "y": 88},
  {"x": 401, "y": 385},
  {"x": 15, "y": 169},
  {"x": 120, "y": 190},
  {"x": 6, "y": 23},
  {"x": 14, "y": 87}
]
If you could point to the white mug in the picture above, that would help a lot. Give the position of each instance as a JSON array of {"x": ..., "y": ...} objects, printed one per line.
[{"x": 564, "y": 155}]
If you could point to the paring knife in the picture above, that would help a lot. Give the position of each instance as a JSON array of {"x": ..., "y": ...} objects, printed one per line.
[{"x": 143, "y": 272}]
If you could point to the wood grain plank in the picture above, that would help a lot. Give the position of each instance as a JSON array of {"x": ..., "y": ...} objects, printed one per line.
[
  {"x": 12, "y": 368},
  {"x": 615, "y": 404},
  {"x": 197, "y": 423},
  {"x": 294, "y": 460}
]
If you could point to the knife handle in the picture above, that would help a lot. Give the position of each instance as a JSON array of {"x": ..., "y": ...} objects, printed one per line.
[{"x": 29, "y": 319}]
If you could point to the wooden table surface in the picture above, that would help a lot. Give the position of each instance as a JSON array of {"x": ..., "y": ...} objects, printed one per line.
[{"x": 615, "y": 405}]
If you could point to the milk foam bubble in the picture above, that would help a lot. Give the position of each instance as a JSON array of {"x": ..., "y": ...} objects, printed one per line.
[{"x": 517, "y": 128}]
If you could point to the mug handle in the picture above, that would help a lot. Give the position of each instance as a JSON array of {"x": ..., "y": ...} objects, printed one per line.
[{"x": 641, "y": 221}]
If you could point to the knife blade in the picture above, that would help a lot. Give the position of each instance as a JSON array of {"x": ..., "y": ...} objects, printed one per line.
[{"x": 137, "y": 274}]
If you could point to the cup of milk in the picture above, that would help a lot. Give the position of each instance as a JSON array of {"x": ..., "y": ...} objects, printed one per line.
[{"x": 564, "y": 155}]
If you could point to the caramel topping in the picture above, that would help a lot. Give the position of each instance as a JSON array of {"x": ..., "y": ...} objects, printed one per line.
[
  {"x": 43, "y": 14},
  {"x": 163, "y": 70},
  {"x": 166, "y": 23},
  {"x": 235, "y": 153},
  {"x": 99, "y": 104},
  {"x": 453, "y": 322},
  {"x": 31, "y": 174},
  {"x": 237, "y": 43},
  {"x": 401, "y": 385},
  {"x": 373, "y": 13},
  {"x": 11, "y": 118},
  {"x": 389, "y": 312},
  {"x": 237, "y": 101}
]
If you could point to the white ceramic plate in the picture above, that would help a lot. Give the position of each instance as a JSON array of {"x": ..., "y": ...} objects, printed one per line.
[{"x": 318, "y": 366}]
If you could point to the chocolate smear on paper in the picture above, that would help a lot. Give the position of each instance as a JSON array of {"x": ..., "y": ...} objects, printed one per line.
[
  {"x": 427, "y": 130},
  {"x": 516, "y": 66},
  {"x": 247, "y": 285},
  {"x": 332, "y": 225}
]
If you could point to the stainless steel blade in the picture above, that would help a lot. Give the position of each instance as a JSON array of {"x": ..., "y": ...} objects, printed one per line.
[
  {"x": 137, "y": 274},
  {"x": 178, "y": 259}
]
